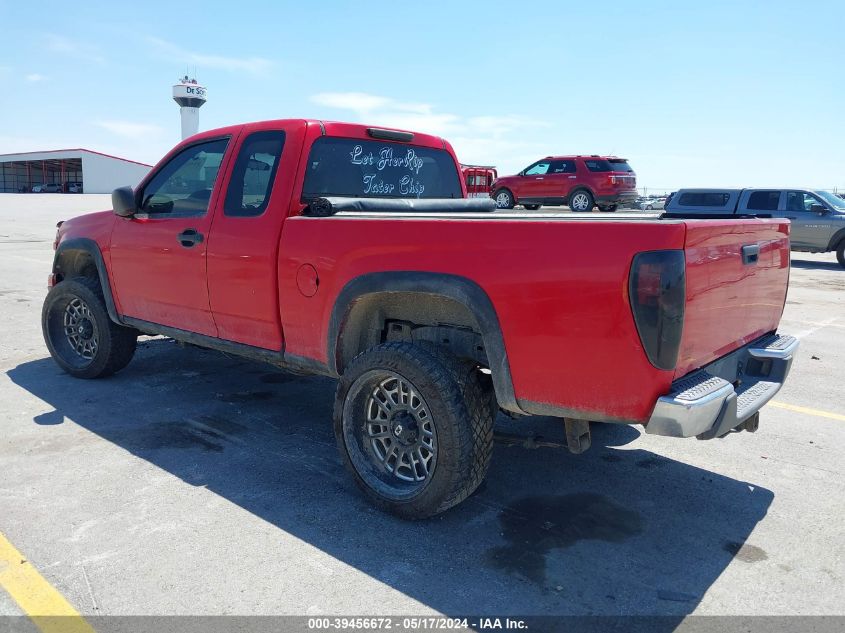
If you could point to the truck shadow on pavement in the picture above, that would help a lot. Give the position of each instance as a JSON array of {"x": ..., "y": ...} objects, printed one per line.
[
  {"x": 807, "y": 264},
  {"x": 617, "y": 530}
]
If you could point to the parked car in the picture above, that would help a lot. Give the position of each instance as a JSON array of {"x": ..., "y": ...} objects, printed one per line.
[
  {"x": 49, "y": 187},
  {"x": 648, "y": 204},
  {"x": 73, "y": 187},
  {"x": 581, "y": 182},
  {"x": 818, "y": 217},
  {"x": 479, "y": 180},
  {"x": 349, "y": 251}
]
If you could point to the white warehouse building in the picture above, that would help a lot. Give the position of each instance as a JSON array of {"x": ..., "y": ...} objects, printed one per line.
[{"x": 68, "y": 171}]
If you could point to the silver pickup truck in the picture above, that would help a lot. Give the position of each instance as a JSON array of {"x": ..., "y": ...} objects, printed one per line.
[{"x": 818, "y": 217}]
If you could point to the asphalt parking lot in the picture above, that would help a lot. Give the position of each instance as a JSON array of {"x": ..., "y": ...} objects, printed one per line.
[{"x": 197, "y": 483}]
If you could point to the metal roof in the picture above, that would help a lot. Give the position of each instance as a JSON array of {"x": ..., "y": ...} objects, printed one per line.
[{"x": 68, "y": 153}]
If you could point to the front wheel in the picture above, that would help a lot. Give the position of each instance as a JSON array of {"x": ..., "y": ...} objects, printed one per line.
[
  {"x": 415, "y": 427},
  {"x": 840, "y": 253},
  {"x": 81, "y": 337},
  {"x": 581, "y": 202},
  {"x": 504, "y": 199}
]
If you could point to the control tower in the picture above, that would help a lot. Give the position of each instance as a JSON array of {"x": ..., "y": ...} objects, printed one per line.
[{"x": 190, "y": 96}]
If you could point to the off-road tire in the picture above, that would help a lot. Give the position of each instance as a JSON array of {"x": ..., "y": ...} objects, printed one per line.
[
  {"x": 115, "y": 343},
  {"x": 576, "y": 199},
  {"x": 462, "y": 410},
  {"x": 504, "y": 199},
  {"x": 840, "y": 253},
  {"x": 531, "y": 207}
]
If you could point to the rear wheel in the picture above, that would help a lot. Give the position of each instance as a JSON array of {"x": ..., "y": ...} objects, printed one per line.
[
  {"x": 504, "y": 199},
  {"x": 414, "y": 425},
  {"x": 79, "y": 333},
  {"x": 531, "y": 207},
  {"x": 581, "y": 201},
  {"x": 840, "y": 253}
]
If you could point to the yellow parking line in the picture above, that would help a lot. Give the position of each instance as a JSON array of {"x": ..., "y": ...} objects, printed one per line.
[
  {"x": 808, "y": 411},
  {"x": 36, "y": 597}
]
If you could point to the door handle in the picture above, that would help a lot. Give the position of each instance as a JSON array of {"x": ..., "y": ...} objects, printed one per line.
[
  {"x": 538, "y": 178},
  {"x": 189, "y": 237},
  {"x": 750, "y": 254}
]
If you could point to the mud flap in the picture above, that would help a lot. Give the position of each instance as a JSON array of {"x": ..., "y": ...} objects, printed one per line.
[{"x": 577, "y": 435}]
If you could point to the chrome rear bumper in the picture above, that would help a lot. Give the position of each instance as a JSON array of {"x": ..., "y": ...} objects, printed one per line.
[{"x": 712, "y": 401}]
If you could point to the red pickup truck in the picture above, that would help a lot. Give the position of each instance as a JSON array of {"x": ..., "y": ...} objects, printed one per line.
[{"x": 349, "y": 251}]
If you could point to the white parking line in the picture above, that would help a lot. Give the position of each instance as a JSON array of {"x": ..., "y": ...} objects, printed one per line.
[{"x": 815, "y": 326}]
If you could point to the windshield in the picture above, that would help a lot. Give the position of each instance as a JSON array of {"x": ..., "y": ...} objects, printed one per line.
[
  {"x": 379, "y": 169},
  {"x": 832, "y": 199}
]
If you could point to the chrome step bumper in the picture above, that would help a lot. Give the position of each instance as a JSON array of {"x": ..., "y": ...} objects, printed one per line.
[{"x": 716, "y": 399}]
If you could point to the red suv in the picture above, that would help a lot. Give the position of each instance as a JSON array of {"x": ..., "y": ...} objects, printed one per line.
[{"x": 579, "y": 181}]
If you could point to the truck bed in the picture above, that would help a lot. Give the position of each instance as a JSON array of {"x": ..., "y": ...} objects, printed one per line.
[{"x": 559, "y": 283}]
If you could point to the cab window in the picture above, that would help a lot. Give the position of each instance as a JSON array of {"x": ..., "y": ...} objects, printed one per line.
[
  {"x": 562, "y": 167},
  {"x": 182, "y": 188},
  {"x": 763, "y": 201},
  {"x": 799, "y": 201},
  {"x": 253, "y": 174},
  {"x": 538, "y": 169}
]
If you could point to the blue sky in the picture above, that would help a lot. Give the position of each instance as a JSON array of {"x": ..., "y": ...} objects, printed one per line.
[{"x": 694, "y": 94}]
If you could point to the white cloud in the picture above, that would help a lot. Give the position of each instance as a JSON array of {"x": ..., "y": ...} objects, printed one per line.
[
  {"x": 130, "y": 129},
  {"x": 419, "y": 117},
  {"x": 15, "y": 144},
  {"x": 180, "y": 56},
  {"x": 34, "y": 77},
  {"x": 357, "y": 101},
  {"x": 74, "y": 48},
  {"x": 487, "y": 139}
]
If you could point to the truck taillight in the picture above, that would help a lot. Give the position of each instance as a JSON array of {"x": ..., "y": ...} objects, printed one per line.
[{"x": 657, "y": 289}]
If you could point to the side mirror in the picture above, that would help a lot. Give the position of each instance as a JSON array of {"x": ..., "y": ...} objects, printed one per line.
[
  {"x": 123, "y": 202},
  {"x": 818, "y": 208}
]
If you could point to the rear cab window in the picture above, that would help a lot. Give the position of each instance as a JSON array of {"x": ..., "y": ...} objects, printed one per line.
[{"x": 358, "y": 168}]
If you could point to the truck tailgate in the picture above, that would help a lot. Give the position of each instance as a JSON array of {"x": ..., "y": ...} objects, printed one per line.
[{"x": 732, "y": 296}]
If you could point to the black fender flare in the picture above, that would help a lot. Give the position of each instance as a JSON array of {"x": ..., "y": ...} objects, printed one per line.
[
  {"x": 454, "y": 287},
  {"x": 837, "y": 237},
  {"x": 92, "y": 248}
]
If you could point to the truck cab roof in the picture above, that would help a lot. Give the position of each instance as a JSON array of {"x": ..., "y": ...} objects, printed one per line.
[{"x": 335, "y": 128}]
